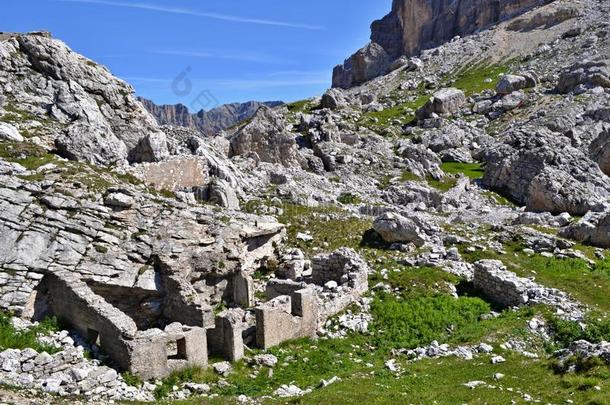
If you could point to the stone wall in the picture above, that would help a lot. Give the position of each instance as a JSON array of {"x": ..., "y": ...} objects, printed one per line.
[
  {"x": 175, "y": 174},
  {"x": 226, "y": 338},
  {"x": 500, "y": 285},
  {"x": 153, "y": 353},
  {"x": 344, "y": 266},
  {"x": 506, "y": 288},
  {"x": 286, "y": 318}
]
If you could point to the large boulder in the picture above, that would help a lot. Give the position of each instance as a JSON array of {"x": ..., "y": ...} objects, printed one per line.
[
  {"x": 333, "y": 99},
  {"x": 420, "y": 161},
  {"x": 584, "y": 74},
  {"x": 511, "y": 83},
  {"x": 593, "y": 228},
  {"x": 9, "y": 133},
  {"x": 395, "y": 228},
  {"x": 444, "y": 102},
  {"x": 543, "y": 171}
]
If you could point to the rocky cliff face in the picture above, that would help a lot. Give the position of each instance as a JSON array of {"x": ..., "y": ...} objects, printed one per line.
[
  {"x": 209, "y": 123},
  {"x": 414, "y": 25}
]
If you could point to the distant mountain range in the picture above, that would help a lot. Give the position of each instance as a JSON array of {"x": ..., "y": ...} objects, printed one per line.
[{"x": 210, "y": 122}]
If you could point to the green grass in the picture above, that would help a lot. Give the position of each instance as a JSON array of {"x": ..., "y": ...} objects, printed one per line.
[
  {"x": 566, "y": 332},
  {"x": 473, "y": 171},
  {"x": 499, "y": 199},
  {"x": 443, "y": 185},
  {"x": 384, "y": 118},
  {"x": 471, "y": 79},
  {"x": 408, "y": 176},
  {"x": 416, "y": 322},
  {"x": 441, "y": 382},
  {"x": 10, "y": 338},
  {"x": 573, "y": 276},
  {"x": 28, "y": 155},
  {"x": 328, "y": 225},
  {"x": 302, "y": 106}
]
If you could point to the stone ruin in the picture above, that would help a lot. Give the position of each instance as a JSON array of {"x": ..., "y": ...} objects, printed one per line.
[
  {"x": 142, "y": 285},
  {"x": 297, "y": 305},
  {"x": 151, "y": 353},
  {"x": 152, "y": 334}
]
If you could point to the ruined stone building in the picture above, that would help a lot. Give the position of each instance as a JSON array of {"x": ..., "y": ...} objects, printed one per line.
[{"x": 141, "y": 279}]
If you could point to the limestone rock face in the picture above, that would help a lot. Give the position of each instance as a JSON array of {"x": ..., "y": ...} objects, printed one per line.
[
  {"x": 87, "y": 114},
  {"x": 415, "y": 25}
]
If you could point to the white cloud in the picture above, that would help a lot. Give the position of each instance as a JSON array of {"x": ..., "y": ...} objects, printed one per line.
[{"x": 195, "y": 13}]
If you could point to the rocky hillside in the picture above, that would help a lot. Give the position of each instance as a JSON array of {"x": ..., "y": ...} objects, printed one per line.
[
  {"x": 446, "y": 221},
  {"x": 209, "y": 123},
  {"x": 82, "y": 111},
  {"x": 414, "y": 25}
]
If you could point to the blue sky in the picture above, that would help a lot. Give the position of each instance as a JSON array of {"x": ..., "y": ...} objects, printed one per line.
[{"x": 224, "y": 50}]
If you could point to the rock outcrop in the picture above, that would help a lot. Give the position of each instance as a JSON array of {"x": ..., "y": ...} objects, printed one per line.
[
  {"x": 266, "y": 138},
  {"x": 536, "y": 170},
  {"x": 414, "y": 25},
  {"x": 87, "y": 114}
]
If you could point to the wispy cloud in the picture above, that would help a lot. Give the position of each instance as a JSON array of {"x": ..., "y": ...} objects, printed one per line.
[
  {"x": 196, "y": 13},
  {"x": 285, "y": 79},
  {"x": 277, "y": 79},
  {"x": 236, "y": 55}
]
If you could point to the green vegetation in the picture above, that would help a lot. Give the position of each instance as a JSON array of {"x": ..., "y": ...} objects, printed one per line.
[
  {"x": 302, "y": 106},
  {"x": 100, "y": 249},
  {"x": 597, "y": 330},
  {"x": 408, "y": 176},
  {"x": 329, "y": 230},
  {"x": 475, "y": 79},
  {"x": 472, "y": 170},
  {"x": 349, "y": 198},
  {"x": 28, "y": 155},
  {"x": 443, "y": 185},
  {"x": 419, "y": 321},
  {"x": 441, "y": 382},
  {"x": 575, "y": 276},
  {"x": 132, "y": 379},
  {"x": 193, "y": 374},
  {"x": 499, "y": 199},
  {"x": 413, "y": 282},
  {"x": 404, "y": 113},
  {"x": 10, "y": 338}
]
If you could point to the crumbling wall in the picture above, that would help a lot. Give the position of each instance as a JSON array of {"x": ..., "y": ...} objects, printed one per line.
[
  {"x": 153, "y": 353},
  {"x": 286, "y": 318},
  {"x": 344, "y": 266},
  {"x": 226, "y": 338},
  {"x": 72, "y": 301},
  {"x": 277, "y": 287},
  {"x": 157, "y": 353},
  {"x": 499, "y": 285}
]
